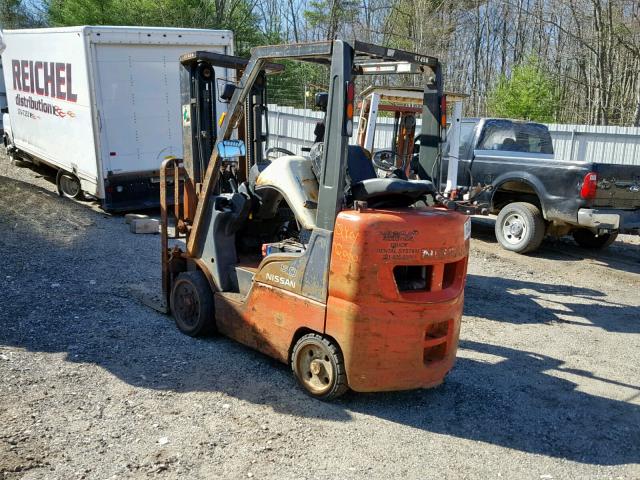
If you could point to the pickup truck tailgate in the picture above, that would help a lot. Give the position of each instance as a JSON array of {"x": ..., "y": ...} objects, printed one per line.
[{"x": 618, "y": 186}]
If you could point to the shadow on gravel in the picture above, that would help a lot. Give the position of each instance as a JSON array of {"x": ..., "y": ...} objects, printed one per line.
[
  {"x": 65, "y": 282},
  {"x": 619, "y": 256},
  {"x": 532, "y": 302},
  {"x": 41, "y": 170},
  {"x": 515, "y": 401}
]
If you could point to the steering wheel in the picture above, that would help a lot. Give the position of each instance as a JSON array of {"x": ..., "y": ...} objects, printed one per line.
[
  {"x": 387, "y": 160},
  {"x": 281, "y": 151}
]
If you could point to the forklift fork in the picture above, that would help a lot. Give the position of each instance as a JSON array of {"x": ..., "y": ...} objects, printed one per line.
[{"x": 171, "y": 168}]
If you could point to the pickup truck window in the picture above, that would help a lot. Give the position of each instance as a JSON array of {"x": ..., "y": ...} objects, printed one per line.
[
  {"x": 466, "y": 138},
  {"x": 509, "y": 136}
]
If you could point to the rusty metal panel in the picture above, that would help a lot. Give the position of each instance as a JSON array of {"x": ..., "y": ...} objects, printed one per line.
[
  {"x": 268, "y": 319},
  {"x": 304, "y": 274}
]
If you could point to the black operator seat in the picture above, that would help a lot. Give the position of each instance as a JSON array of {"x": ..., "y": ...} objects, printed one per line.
[
  {"x": 381, "y": 192},
  {"x": 359, "y": 166},
  {"x": 321, "y": 102}
]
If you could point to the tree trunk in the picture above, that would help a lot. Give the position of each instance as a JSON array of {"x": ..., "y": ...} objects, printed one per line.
[{"x": 636, "y": 116}]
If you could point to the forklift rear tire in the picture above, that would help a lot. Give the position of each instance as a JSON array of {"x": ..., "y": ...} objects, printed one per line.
[
  {"x": 318, "y": 365},
  {"x": 192, "y": 304},
  {"x": 68, "y": 185},
  {"x": 520, "y": 227}
]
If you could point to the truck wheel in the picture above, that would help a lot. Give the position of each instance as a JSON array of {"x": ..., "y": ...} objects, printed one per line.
[
  {"x": 318, "y": 366},
  {"x": 587, "y": 239},
  {"x": 68, "y": 185},
  {"x": 520, "y": 227},
  {"x": 192, "y": 304}
]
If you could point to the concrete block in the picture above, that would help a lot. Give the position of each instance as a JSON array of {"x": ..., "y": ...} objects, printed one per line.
[
  {"x": 145, "y": 225},
  {"x": 129, "y": 217}
]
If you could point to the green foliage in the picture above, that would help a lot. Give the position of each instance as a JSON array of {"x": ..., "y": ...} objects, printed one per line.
[
  {"x": 288, "y": 87},
  {"x": 527, "y": 95},
  {"x": 318, "y": 14},
  {"x": 406, "y": 18},
  {"x": 328, "y": 15},
  {"x": 83, "y": 12},
  {"x": 215, "y": 14},
  {"x": 16, "y": 14}
]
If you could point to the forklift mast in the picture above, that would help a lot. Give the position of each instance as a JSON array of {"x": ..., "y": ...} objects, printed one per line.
[
  {"x": 406, "y": 105},
  {"x": 198, "y": 100},
  {"x": 255, "y": 122},
  {"x": 199, "y": 97},
  {"x": 344, "y": 61},
  {"x": 433, "y": 119}
]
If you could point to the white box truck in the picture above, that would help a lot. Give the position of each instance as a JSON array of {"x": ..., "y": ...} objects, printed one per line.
[
  {"x": 101, "y": 104},
  {"x": 3, "y": 96}
]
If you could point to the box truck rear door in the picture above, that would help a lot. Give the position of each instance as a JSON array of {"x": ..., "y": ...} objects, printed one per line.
[{"x": 139, "y": 105}]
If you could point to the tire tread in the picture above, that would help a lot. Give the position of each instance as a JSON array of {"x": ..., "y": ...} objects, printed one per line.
[
  {"x": 586, "y": 239},
  {"x": 341, "y": 385},
  {"x": 535, "y": 221},
  {"x": 205, "y": 295}
]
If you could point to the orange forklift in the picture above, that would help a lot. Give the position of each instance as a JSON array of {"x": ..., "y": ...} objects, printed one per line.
[{"x": 354, "y": 281}]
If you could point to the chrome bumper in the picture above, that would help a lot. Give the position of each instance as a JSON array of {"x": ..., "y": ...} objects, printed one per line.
[{"x": 623, "y": 220}]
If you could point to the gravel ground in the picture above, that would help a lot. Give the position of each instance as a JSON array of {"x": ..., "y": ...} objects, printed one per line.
[{"x": 95, "y": 385}]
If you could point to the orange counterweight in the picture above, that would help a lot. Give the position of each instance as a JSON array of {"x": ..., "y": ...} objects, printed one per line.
[{"x": 396, "y": 289}]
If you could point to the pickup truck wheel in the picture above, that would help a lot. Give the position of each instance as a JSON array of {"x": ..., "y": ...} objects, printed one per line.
[
  {"x": 587, "y": 239},
  {"x": 68, "y": 185},
  {"x": 520, "y": 227},
  {"x": 192, "y": 304}
]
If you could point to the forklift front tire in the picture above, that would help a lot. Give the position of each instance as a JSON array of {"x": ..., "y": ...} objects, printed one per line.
[
  {"x": 192, "y": 304},
  {"x": 318, "y": 365}
]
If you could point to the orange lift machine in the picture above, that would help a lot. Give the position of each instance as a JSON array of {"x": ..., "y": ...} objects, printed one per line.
[{"x": 355, "y": 281}]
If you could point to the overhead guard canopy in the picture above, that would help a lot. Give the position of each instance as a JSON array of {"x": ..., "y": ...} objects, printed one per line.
[
  {"x": 225, "y": 61},
  {"x": 345, "y": 60}
]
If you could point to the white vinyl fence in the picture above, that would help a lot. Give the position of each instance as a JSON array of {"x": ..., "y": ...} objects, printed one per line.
[
  {"x": 589, "y": 143},
  {"x": 292, "y": 128}
]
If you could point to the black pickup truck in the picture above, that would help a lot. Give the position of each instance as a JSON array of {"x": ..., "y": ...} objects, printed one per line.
[{"x": 535, "y": 194}]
